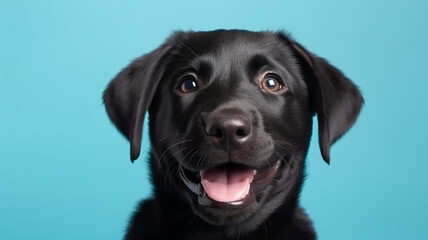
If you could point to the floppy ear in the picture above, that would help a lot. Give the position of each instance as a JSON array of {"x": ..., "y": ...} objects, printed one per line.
[
  {"x": 129, "y": 94},
  {"x": 336, "y": 100}
]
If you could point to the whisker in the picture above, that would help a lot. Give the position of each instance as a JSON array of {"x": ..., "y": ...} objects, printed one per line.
[
  {"x": 164, "y": 138},
  {"x": 266, "y": 228},
  {"x": 169, "y": 176},
  {"x": 201, "y": 160},
  {"x": 170, "y": 173},
  {"x": 188, "y": 48},
  {"x": 281, "y": 148},
  {"x": 239, "y": 234},
  {"x": 180, "y": 150},
  {"x": 187, "y": 154},
  {"x": 193, "y": 155},
  {"x": 188, "y": 140},
  {"x": 285, "y": 143},
  {"x": 288, "y": 147}
]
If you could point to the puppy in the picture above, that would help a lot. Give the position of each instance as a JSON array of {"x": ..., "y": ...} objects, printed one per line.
[{"x": 230, "y": 124}]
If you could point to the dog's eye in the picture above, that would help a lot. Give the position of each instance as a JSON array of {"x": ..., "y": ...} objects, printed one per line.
[
  {"x": 271, "y": 83},
  {"x": 189, "y": 84}
]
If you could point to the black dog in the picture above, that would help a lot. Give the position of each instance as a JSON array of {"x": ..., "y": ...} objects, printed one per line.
[{"x": 230, "y": 125}]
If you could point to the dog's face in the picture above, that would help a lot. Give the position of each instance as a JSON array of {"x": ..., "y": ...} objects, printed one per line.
[
  {"x": 231, "y": 115},
  {"x": 231, "y": 119}
]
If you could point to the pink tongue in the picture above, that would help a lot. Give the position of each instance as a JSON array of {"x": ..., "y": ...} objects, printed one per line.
[{"x": 224, "y": 184}]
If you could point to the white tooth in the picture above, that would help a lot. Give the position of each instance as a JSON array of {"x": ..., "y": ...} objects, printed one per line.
[
  {"x": 255, "y": 171},
  {"x": 236, "y": 203}
]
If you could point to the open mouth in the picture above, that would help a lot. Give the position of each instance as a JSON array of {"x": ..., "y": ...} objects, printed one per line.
[{"x": 227, "y": 184}]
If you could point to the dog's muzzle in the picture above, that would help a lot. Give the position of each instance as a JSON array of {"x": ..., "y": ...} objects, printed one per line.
[{"x": 228, "y": 184}]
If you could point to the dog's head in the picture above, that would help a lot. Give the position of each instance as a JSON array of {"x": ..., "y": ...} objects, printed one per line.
[{"x": 231, "y": 118}]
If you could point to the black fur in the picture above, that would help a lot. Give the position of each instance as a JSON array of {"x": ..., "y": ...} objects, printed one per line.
[{"x": 192, "y": 131}]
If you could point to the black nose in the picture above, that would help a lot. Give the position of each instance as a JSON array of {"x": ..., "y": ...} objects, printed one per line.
[{"x": 228, "y": 129}]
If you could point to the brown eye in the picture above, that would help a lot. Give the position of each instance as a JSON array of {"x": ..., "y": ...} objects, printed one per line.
[
  {"x": 189, "y": 84},
  {"x": 271, "y": 84}
]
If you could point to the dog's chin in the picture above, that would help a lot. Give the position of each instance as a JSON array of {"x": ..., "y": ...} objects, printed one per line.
[{"x": 228, "y": 194}]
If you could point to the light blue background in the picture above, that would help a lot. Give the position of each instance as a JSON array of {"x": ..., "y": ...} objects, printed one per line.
[{"x": 65, "y": 171}]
